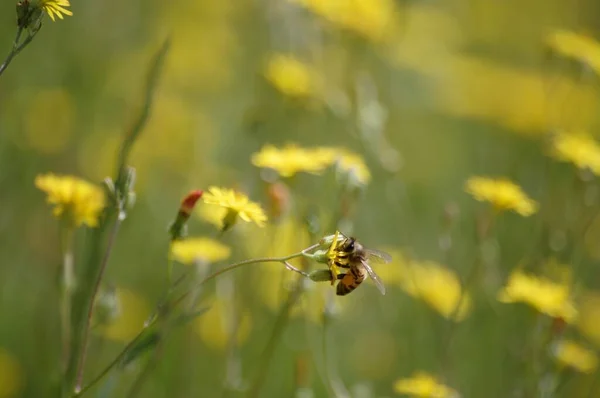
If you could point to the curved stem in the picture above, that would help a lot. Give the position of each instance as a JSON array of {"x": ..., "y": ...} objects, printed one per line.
[
  {"x": 233, "y": 266},
  {"x": 96, "y": 288}
]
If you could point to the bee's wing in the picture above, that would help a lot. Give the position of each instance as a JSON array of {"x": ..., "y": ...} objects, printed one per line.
[
  {"x": 374, "y": 276},
  {"x": 378, "y": 256}
]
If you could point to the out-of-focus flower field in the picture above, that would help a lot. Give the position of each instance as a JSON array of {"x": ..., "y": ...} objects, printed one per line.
[{"x": 460, "y": 137}]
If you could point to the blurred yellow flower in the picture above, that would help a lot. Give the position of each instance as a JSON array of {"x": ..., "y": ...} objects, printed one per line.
[
  {"x": 11, "y": 375},
  {"x": 213, "y": 327},
  {"x": 237, "y": 204},
  {"x": 578, "y": 148},
  {"x": 573, "y": 355},
  {"x": 133, "y": 312},
  {"x": 205, "y": 250},
  {"x": 56, "y": 8},
  {"x": 546, "y": 296},
  {"x": 576, "y": 46},
  {"x": 353, "y": 164},
  {"x": 424, "y": 385},
  {"x": 437, "y": 286},
  {"x": 502, "y": 193},
  {"x": 79, "y": 201},
  {"x": 291, "y": 159},
  {"x": 372, "y": 19},
  {"x": 290, "y": 76},
  {"x": 588, "y": 320}
]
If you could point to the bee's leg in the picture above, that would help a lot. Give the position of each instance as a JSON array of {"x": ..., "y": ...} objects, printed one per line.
[{"x": 341, "y": 276}]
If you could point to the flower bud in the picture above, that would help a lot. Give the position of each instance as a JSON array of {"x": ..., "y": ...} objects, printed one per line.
[
  {"x": 320, "y": 275},
  {"x": 177, "y": 228}
]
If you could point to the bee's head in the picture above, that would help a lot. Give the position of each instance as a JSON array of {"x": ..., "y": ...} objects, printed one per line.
[{"x": 351, "y": 245}]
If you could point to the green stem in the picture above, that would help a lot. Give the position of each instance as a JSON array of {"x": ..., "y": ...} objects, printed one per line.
[
  {"x": 17, "y": 48},
  {"x": 67, "y": 287},
  {"x": 90, "y": 310},
  {"x": 112, "y": 364},
  {"x": 239, "y": 264}
]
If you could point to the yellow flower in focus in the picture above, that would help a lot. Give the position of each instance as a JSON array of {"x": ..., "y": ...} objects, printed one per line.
[
  {"x": 11, "y": 375},
  {"x": 372, "y": 19},
  {"x": 133, "y": 312},
  {"x": 437, "y": 286},
  {"x": 291, "y": 159},
  {"x": 290, "y": 76},
  {"x": 424, "y": 385},
  {"x": 79, "y": 201},
  {"x": 205, "y": 250},
  {"x": 56, "y": 8},
  {"x": 575, "y": 356},
  {"x": 237, "y": 204},
  {"x": 578, "y": 148},
  {"x": 546, "y": 296},
  {"x": 576, "y": 46},
  {"x": 502, "y": 193},
  {"x": 213, "y": 326}
]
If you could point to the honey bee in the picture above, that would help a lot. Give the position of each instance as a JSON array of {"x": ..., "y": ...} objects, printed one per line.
[{"x": 355, "y": 258}]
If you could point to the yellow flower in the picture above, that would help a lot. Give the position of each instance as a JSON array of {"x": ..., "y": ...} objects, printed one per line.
[
  {"x": 576, "y": 46},
  {"x": 546, "y": 296},
  {"x": 204, "y": 250},
  {"x": 290, "y": 76},
  {"x": 437, "y": 286},
  {"x": 353, "y": 164},
  {"x": 573, "y": 355},
  {"x": 291, "y": 159},
  {"x": 56, "y": 8},
  {"x": 237, "y": 204},
  {"x": 79, "y": 201},
  {"x": 369, "y": 18},
  {"x": 502, "y": 193},
  {"x": 212, "y": 214},
  {"x": 588, "y": 319},
  {"x": 578, "y": 148},
  {"x": 424, "y": 385}
]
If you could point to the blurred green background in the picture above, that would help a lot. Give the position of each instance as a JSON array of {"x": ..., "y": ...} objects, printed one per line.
[{"x": 429, "y": 92}]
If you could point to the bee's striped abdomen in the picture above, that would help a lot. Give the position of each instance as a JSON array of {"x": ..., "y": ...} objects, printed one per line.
[{"x": 350, "y": 281}]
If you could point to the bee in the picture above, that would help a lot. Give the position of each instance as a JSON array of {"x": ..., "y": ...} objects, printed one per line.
[{"x": 355, "y": 258}]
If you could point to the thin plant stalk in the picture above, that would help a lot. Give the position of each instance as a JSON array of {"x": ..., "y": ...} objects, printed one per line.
[
  {"x": 92, "y": 272},
  {"x": 17, "y": 48},
  {"x": 96, "y": 288},
  {"x": 67, "y": 286},
  {"x": 187, "y": 294},
  {"x": 112, "y": 364},
  {"x": 284, "y": 260}
]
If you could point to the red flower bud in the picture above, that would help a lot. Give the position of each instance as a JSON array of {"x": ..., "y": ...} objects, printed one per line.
[{"x": 188, "y": 203}]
